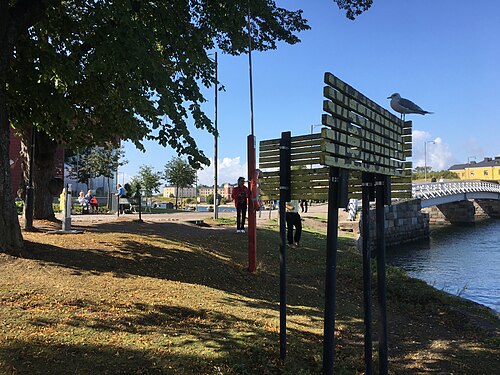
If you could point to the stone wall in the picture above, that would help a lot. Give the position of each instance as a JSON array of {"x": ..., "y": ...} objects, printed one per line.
[
  {"x": 404, "y": 222},
  {"x": 487, "y": 209},
  {"x": 463, "y": 212}
]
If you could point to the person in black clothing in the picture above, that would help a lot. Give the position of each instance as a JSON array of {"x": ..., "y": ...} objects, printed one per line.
[
  {"x": 240, "y": 197},
  {"x": 303, "y": 205},
  {"x": 293, "y": 220}
]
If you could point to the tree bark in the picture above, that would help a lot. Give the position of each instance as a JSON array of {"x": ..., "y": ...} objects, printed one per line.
[
  {"x": 43, "y": 173},
  {"x": 11, "y": 239}
]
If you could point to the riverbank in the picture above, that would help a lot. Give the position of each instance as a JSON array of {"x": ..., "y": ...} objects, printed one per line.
[
  {"x": 463, "y": 261},
  {"x": 174, "y": 298}
]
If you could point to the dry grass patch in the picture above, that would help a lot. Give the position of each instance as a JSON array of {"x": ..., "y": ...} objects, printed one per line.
[{"x": 171, "y": 298}]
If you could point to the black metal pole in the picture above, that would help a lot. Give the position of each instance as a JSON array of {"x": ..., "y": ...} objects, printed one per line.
[
  {"x": 216, "y": 142},
  {"x": 380, "y": 195},
  {"x": 282, "y": 278},
  {"x": 118, "y": 207},
  {"x": 331, "y": 269},
  {"x": 28, "y": 211},
  {"x": 140, "y": 206},
  {"x": 367, "y": 186},
  {"x": 285, "y": 194}
]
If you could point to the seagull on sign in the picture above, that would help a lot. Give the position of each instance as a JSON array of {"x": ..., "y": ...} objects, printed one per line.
[{"x": 405, "y": 106}]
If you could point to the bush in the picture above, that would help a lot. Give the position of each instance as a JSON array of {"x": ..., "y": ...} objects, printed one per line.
[{"x": 19, "y": 207}]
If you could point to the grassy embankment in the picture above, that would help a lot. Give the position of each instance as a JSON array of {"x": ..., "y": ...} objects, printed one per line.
[{"x": 176, "y": 299}]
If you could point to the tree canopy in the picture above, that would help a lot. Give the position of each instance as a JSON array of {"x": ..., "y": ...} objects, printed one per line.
[
  {"x": 85, "y": 72},
  {"x": 148, "y": 180},
  {"x": 91, "y": 71},
  {"x": 180, "y": 174}
]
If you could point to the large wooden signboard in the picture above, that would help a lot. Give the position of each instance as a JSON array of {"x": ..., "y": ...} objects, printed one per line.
[
  {"x": 358, "y": 135},
  {"x": 361, "y": 146}
]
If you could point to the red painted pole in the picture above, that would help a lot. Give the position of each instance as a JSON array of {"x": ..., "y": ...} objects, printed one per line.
[{"x": 252, "y": 218}]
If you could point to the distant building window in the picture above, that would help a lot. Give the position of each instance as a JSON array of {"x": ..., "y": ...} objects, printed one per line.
[
  {"x": 486, "y": 173},
  {"x": 472, "y": 173}
]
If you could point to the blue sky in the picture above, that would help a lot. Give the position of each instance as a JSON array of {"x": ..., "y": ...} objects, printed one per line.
[{"x": 443, "y": 55}]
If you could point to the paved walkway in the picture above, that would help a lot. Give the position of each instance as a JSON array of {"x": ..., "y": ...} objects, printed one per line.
[{"x": 318, "y": 210}]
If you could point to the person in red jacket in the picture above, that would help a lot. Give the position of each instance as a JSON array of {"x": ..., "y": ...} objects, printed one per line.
[{"x": 240, "y": 197}]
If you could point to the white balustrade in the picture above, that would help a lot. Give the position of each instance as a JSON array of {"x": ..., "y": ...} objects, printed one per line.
[{"x": 430, "y": 190}]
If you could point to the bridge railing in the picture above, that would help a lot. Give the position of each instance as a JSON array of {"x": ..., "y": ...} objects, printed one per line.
[{"x": 429, "y": 190}]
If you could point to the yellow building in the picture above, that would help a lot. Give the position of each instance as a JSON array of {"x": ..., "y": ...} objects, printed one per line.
[
  {"x": 187, "y": 192},
  {"x": 487, "y": 170}
]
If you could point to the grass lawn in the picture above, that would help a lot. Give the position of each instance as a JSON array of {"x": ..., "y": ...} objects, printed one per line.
[{"x": 172, "y": 298}]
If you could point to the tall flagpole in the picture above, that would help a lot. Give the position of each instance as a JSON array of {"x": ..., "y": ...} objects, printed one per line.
[
  {"x": 249, "y": 27},
  {"x": 252, "y": 219},
  {"x": 216, "y": 209}
]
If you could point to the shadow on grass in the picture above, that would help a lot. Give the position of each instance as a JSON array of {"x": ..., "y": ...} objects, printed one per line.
[
  {"x": 216, "y": 258},
  {"x": 212, "y": 257},
  {"x": 159, "y": 339}
]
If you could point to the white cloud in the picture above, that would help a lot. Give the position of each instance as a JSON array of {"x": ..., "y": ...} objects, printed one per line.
[
  {"x": 431, "y": 151},
  {"x": 229, "y": 169}
]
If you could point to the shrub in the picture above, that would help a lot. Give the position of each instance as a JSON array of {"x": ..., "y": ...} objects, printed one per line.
[{"x": 19, "y": 207}]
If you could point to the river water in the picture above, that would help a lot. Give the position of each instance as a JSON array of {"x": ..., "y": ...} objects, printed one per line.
[{"x": 464, "y": 261}]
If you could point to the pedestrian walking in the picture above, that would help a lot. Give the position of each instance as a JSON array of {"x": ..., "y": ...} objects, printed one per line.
[
  {"x": 293, "y": 219},
  {"x": 240, "y": 197}
]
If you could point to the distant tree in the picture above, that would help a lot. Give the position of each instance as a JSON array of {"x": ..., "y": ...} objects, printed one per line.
[
  {"x": 419, "y": 174},
  {"x": 100, "y": 161},
  {"x": 104, "y": 162},
  {"x": 210, "y": 198},
  {"x": 78, "y": 168},
  {"x": 179, "y": 173},
  {"x": 422, "y": 169},
  {"x": 148, "y": 180}
]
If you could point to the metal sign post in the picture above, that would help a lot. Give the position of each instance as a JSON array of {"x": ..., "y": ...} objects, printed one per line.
[
  {"x": 382, "y": 194},
  {"x": 365, "y": 139},
  {"x": 252, "y": 218},
  {"x": 285, "y": 192},
  {"x": 337, "y": 197},
  {"x": 367, "y": 191},
  {"x": 66, "y": 221}
]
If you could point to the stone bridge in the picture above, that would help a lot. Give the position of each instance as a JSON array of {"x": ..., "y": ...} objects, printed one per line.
[{"x": 458, "y": 202}]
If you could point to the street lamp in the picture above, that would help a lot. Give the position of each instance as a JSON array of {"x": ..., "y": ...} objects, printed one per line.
[
  {"x": 315, "y": 126},
  {"x": 467, "y": 172},
  {"x": 312, "y": 127},
  {"x": 425, "y": 158},
  {"x": 196, "y": 192},
  {"x": 216, "y": 135}
]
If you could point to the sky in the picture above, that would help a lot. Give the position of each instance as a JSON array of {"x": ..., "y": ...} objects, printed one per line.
[{"x": 443, "y": 55}]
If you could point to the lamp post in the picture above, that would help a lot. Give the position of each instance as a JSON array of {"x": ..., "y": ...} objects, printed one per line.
[
  {"x": 425, "y": 158},
  {"x": 196, "y": 192},
  {"x": 467, "y": 172},
  {"x": 251, "y": 161},
  {"x": 315, "y": 126},
  {"x": 312, "y": 127}
]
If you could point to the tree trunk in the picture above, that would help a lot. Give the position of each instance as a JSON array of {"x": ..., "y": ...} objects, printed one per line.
[
  {"x": 11, "y": 239},
  {"x": 176, "y": 196},
  {"x": 43, "y": 173}
]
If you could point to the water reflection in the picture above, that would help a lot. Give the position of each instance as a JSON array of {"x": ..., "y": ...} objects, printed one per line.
[{"x": 460, "y": 260}]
